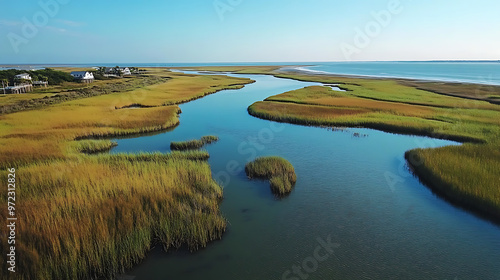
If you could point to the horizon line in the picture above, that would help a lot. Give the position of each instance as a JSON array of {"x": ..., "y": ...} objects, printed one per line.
[{"x": 251, "y": 62}]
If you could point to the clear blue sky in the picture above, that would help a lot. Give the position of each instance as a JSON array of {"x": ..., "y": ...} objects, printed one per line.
[{"x": 247, "y": 31}]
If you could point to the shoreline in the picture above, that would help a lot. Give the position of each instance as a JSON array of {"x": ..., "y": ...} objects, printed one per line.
[
  {"x": 374, "y": 126},
  {"x": 476, "y": 206},
  {"x": 290, "y": 68},
  {"x": 472, "y": 91},
  {"x": 301, "y": 70},
  {"x": 418, "y": 83}
]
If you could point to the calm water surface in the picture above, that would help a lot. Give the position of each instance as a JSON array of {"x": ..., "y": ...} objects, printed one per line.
[
  {"x": 354, "y": 191},
  {"x": 467, "y": 71}
]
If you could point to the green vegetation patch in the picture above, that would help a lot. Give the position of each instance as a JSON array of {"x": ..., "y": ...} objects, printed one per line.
[
  {"x": 94, "y": 146},
  {"x": 279, "y": 171},
  {"x": 467, "y": 174},
  {"x": 209, "y": 139},
  {"x": 193, "y": 144},
  {"x": 94, "y": 216}
]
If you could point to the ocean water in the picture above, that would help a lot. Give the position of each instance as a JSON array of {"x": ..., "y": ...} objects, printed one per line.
[
  {"x": 465, "y": 72},
  {"x": 487, "y": 72}
]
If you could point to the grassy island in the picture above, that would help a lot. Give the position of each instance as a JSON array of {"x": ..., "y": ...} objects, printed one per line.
[
  {"x": 193, "y": 144},
  {"x": 279, "y": 171}
]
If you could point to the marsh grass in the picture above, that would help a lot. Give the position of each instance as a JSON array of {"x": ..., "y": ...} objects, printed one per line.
[
  {"x": 195, "y": 155},
  {"x": 186, "y": 145},
  {"x": 97, "y": 215},
  {"x": 94, "y": 146},
  {"x": 46, "y": 133},
  {"x": 471, "y": 91},
  {"x": 385, "y": 109},
  {"x": 209, "y": 139},
  {"x": 279, "y": 171},
  {"x": 193, "y": 144},
  {"x": 23, "y": 102},
  {"x": 467, "y": 175}
]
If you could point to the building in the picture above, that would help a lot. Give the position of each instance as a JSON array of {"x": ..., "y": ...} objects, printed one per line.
[
  {"x": 40, "y": 83},
  {"x": 109, "y": 70},
  {"x": 125, "y": 71},
  {"x": 83, "y": 76},
  {"x": 112, "y": 71},
  {"x": 23, "y": 76},
  {"x": 17, "y": 89}
]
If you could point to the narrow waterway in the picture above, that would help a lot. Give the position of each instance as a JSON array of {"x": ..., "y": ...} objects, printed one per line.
[{"x": 356, "y": 211}]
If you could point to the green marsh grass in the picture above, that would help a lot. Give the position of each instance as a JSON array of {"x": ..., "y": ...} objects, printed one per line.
[
  {"x": 94, "y": 146},
  {"x": 57, "y": 94},
  {"x": 193, "y": 144},
  {"x": 279, "y": 171},
  {"x": 186, "y": 145},
  {"x": 46, "y": 133},
  {"x": 209, "y": 139},
  {"x": 467, "y": 175}
]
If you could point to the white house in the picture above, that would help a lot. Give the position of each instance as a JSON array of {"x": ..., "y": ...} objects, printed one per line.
[
  {"x": 23, "y": 76},
  {"x": 83, "y": 76},
  {"x": 112, "y": 71},
  {"x": 125, "y": 71}
]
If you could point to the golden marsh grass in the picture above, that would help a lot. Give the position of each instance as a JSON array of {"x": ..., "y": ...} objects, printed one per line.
[{"x": 279, "y": 171}]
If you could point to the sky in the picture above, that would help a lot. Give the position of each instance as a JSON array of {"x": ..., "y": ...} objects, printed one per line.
[{"x": 206, "y": 31}]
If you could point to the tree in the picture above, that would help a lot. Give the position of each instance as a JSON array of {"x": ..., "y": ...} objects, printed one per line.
[
  {"x": 118, "y": 72},
  {"x": 101, "y": 70},
  {"x": 23, "y": 81},
  {"x": 5, "y": 83},
  {"x": 134, "y": 70}
]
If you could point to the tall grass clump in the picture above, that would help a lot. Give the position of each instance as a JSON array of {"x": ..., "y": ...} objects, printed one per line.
[
  {"x": 94, "y": 146},
  {"x": 279, "y": 171},
  {"x": 193, "y": 144},
  {"x": 209, "y": 139},
  {"x": 186, "y": 145},
  {"x": 158, "y": 158}
]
